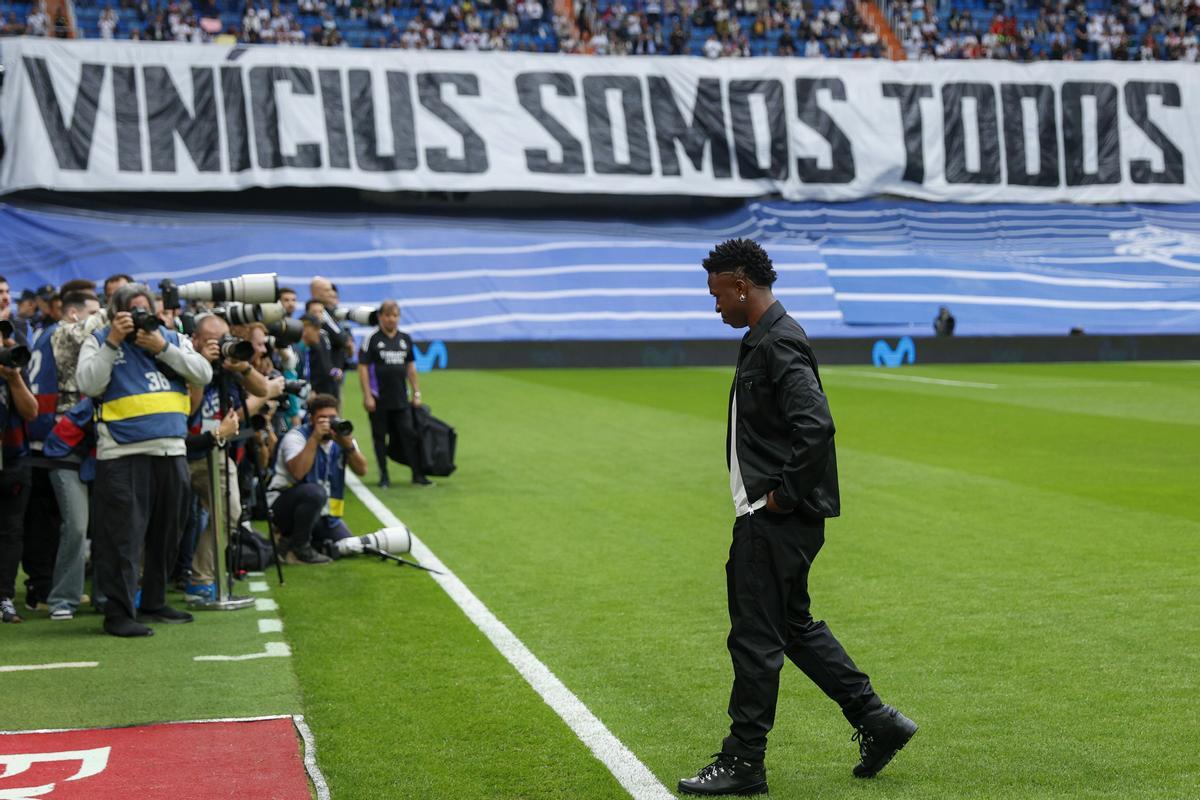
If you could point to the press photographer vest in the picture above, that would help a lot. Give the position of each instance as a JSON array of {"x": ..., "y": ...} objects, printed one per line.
[
  {"x": 141, "y": 401},
  {"x": 329, "y": 470},
  {"x": 43, "y": 383}
]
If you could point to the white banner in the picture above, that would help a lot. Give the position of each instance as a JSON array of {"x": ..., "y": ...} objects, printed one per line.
[{"x": 103, "y": 116}]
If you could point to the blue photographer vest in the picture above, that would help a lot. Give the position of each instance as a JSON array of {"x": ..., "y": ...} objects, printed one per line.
[
  {"x": 43, "y": 383},
  {"x": 141, "y": 402},
  {"x": 329, "y": 471}
]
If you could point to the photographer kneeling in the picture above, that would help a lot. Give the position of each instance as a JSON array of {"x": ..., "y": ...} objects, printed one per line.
[
  {"x": 137, "y": 372},
  {"x": 308, "y": 484}
]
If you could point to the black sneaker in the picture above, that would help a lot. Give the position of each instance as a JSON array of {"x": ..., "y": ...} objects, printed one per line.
[
  {"x": 880, "y": 736},
  {"x": 727, "y": 775},
  {"x": 171, "y": 616},
  {"x": 422, "y": 481},
  {"x": 305, "y": 554},
  {"x": 125, "y": 627},
  {"x": 384, "y": 483}
]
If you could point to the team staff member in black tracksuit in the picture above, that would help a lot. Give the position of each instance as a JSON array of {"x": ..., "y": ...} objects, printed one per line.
[
  {"x": 384, "y": 364},
  {"x": 783, "y": 478}
]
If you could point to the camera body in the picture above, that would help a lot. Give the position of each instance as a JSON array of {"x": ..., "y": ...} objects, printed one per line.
[
  {"x": 299, "y": 389},
  {"x": 143, "y": 320},
  {"x": 18, "y": 355},
  {"x": 342, "y": 427}
]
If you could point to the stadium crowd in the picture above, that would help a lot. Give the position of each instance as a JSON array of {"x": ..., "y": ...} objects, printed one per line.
[
  {"x": 115, "y": 398},
  {"x": 1020, "y": 30}
]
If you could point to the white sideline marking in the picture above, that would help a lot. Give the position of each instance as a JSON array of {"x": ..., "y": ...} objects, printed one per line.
[
  {"x": 888, "y": 376},
  {"x": 61, "y": 665},
  {"x": 255, "y": 574},
  {"x": 258, "y": 586},
  {"x": 270, "y": 626},
  {"x": 265, "y": 604},
  {"x": 310, "y": 757},
  {"x": 273, "y": 650},
  {"x": 631, "y": 773}
]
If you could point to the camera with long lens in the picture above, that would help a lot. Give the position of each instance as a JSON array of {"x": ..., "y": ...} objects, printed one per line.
[
  {"x": 235, "y": 349},
  {"x": 246, "y": 289},
  {"x": 245, "y": 313},
  {"x": 285, "y": 332},
  {"x": 299, "y": 389},
  {"x": 16, "y": 356},
  {"x": 143, "y": 320},
  {"x": 363, "y": 315},
  {"x": 397, "y": 541}
]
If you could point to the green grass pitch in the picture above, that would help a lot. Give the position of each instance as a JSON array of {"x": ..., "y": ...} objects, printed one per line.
[{"x": 1017, "y": 568}]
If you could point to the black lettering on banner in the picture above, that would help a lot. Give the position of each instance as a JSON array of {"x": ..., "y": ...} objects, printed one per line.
[
  {"x": 266, "y": 117},
  {"x": 429, "y": 89},
  {"x": 362, "y": 122},
  {"x": 128, "y": 119},
  {"x": 817, "y": 118},
  {"x": 333, "y": 108},
  {"x": 72, "y": 145},
  {"x": 910, "y": 96},
  {"x": 168, "y": 116},
  {"x": 529, "y": 92},
  {"x": 744, "y": 142},
  {"x": 237, "y": 130},
  {"x": 1140, "y": 169},
  {"x": 707, "y": 128},
  {"x": 953, "y": 95},
  {"x": 1108, "y": 135},
  {"x": 600, "y": 125},
  {"x": 1015, "y": 156}
]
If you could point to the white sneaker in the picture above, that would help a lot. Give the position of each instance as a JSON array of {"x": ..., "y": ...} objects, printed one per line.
[{"x": 62, "y": 613}]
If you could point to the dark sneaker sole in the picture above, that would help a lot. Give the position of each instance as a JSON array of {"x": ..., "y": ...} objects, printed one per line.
[
  {"x": 862, "y": 772},
  {"x": 758, "y": 788}
]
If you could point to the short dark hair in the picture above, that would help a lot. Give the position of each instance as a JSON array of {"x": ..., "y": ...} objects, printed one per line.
[
  {"x": 312, "y": 301},
  {"x": 389, "y": 305},
  {"x": 77, "y": 285},
  {"x": 283, "y": 289},
  {"x": 318, "y": 402},
  {"x": 120, "y": 276},
  {"x": 78, "y": 298},
  {"x": 742, "y": 256}
]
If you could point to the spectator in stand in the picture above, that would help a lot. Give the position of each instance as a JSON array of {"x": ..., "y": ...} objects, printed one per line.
[
  {"x": 108, "y": 23},
  {"x": 37, "y": 23}
]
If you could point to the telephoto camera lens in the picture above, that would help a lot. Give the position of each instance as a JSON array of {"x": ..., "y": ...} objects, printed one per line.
[
  {"x": 286, "y": 331},
  {"x": 299, "y": 389},
  {"x": 363, "y": 315},
  {"x": 246, "y": 289},
  {"x": 396, "y": 541},
  {"x": 342, "y": 427},
  {"x": 16, "y": 356},
  {"x": 245, "y": 313},
  {"x": 235, "y": 349}
]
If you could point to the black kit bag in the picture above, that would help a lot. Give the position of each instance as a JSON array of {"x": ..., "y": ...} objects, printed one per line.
[
  {"x": 256, "y": 552},
  {"x": 438, "y": 442}
]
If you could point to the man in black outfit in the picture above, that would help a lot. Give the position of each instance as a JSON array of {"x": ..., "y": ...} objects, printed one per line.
[
  {"x": 783, "y": 478},
  {"x": 384, "y": 364}
]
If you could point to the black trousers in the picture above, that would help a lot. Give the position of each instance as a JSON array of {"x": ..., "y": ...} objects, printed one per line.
[
  {"x": 42, "y": 527},
  {"x": 396, "y": 425},
  {"x": 297, "y": 511},
  {"x": 767, "y": 580},
  {"x": 14, "y": 496},
  {"x": 142, "y": 504}
]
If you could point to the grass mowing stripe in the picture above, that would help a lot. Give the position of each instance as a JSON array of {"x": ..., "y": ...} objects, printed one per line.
[{"x": 631, "y": 773}]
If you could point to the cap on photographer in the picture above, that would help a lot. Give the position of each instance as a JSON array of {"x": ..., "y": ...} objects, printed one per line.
[
  {"x": 137, "y": 372},
  {"x": 308, "y": 483}
]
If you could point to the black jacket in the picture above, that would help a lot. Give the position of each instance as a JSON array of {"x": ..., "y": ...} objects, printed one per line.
[{"x": 785, "y": 430}]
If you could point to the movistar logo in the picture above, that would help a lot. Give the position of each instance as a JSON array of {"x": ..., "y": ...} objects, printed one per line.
[
  {"x": 434, "y": 357},
  {"x": 882, "y": 354}
]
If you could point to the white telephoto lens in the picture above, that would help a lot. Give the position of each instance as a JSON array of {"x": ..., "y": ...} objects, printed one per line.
[
  {"x": 394, "y": 540},
  {"x": 349, "y": 547},
  {"x": 255, "y": 288},
  {"x": 271, "y": 312}
]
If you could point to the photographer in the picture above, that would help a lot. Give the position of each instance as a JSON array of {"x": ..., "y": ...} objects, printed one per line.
[
  {"x": 138, "y": 372},
  {"x": 385, "y": 363},
  {"x": 308, "y": 484},
  {"x": 214, "y": 420},
  {"x": 17, "y": 405}
]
